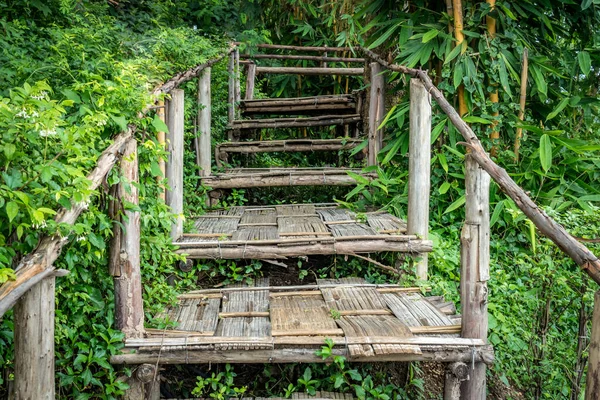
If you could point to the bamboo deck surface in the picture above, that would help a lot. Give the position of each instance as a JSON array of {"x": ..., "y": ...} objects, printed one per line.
[
  {"x": 282, "y": 228},
  {"x": 368, "y": 321},
  {"x": 319, "y": 395}
]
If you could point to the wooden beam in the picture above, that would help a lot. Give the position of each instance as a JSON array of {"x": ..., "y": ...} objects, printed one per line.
[
  {"x": 275, "y": 251},
  {"x": 592, "y": 386},
  {"x": 419, "y": 168},
  {"x": 301, "y": 57},
  {"x": 310, "y": 71},
  {"x": 587, "y": 260},
  {"x": 325, "y": 120},
  {"x": 475, "y": 269},
  {"x": 39, "y": 263},
  {"x": 175, "y": 160},
  {"x": 129, "y": 308},
  {"x": 303, "y": 48},
  {"x": 376, "y": 112},
  {"x": 204, "y": 123},
  {"x": 162, "y": 140},
  {"x": 34, "y": 342},
  {"x": 237, "y": 79}
]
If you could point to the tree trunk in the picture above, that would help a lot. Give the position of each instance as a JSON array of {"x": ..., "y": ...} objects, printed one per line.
[{"x": 592, "y": 389}]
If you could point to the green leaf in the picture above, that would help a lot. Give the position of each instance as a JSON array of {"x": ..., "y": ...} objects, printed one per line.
[
  {"x": 471, "y": 119},
  {"x": 430, "y": 35},
  {"x": 590, "y": 197},
  {"x": 9, "y": 151},
  {"x": 461, "y": 200},
  {"x": 585, "y": 4},
  {"x": 443, "y": 161},
  {"x": 584, "y": 62},
  {"x": 121, "y": 121},
  {"x": 159, "y": 124},
  {"x": 563, "y": 103},
  {"x": 359, "y": 178},
  {"x": 12, "y": 209},
  {"x": 496, "y": 214},
  {"x": 453, "y": 54},
  {"x": 545, "y": 152},
  {"x": 354, "y": 374},
  {"x": 445, "y": 187}
]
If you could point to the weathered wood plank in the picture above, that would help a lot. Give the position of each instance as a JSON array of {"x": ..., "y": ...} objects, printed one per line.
[
  {"x": 204, "y": 123},
  {"x": 376, "y": 112},
  {"x": 310, "y": 71}
]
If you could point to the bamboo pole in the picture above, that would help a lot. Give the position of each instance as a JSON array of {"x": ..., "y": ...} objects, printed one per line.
[
  {"x": 457, "y": 9},
  {"x": 475, "y": 269},
  {"x": 588, "y": 262},
  {"x": 495, "y": 135},
  {"x": 592, "y": 387},
  {"x": 522, "y": 100},
  {"x": 175, "y": 161},
  {"x": 237, "y": 79},
  {"x": 419, "y": 168},
  {"x": 231, "y": 89}
]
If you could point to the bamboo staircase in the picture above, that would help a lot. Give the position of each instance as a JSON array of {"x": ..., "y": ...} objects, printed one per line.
[{"x": 261, "y": 323}]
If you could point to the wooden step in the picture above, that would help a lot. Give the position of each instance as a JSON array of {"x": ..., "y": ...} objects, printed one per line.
[
  {"x": 275, "y": 232},
  {"x": 330, "y": 104},
  {"x": 266, "y": 177},
  {"x": 266, "y": 323},
  {"x": 322, "y": 120},
  {"x": 222, "y": 150}
]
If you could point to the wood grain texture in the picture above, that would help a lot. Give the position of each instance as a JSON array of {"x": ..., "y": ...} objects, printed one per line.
[
  {"x": 592, "y": 387},
  {"x": 419, "y": 167},
  {"x": 176, "y": 127},
  {"x": 34, "y": 343},
  {"x": 204, "y": 123},
  {"x": 376, "y": 112},
  {"x": 310, "y": 71},
  {"x": 129, "y": 310}
]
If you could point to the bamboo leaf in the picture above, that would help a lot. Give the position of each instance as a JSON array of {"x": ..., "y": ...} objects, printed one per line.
[
  {"x": 359, "y": 178},
  {"x": 584, "y": 62},
  {"x": 471, "y": 119},
  {"x": 546, "y": 152},
  {"x": 12, "y": 209},
  {"x": 461, "y": 200},
  {"x": 430, "y": 35},
  {"x": 455, "y": 52},
  {"x": 496, "y": 214},
  {"x": 563, "y": 103},
  {"x": 444, "y": 188},
  {"x": 385, "y": 36}
]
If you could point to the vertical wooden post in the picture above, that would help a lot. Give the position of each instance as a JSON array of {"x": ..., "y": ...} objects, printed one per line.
[
  {"x": 204, "y": 116},
  {"x": 161, "y": 136},
  {"x": 238, "y": 89},
  {"x": 250, "y": 80},
  {"x": 475, "y": 269},
  {"x": 175, "y": 161},
  {"x": 592, "y": 384},
  {"x": 34, "y": 342},
  {"x": 419, "y": 167},
  {"x": 376, "y": 112},
  {"x": 231, "y": 94},
  {"x": 455, "y": 374},
  {"x": 129, "y": 309}
]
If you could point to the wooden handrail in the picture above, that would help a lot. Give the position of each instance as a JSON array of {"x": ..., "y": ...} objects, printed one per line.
[{"x": 547, "y": 226}]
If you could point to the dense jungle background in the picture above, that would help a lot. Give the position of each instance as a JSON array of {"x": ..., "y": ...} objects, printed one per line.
[{"x": 74, "y": 72}]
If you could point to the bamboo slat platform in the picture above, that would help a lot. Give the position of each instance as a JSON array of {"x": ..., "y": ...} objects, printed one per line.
[
  {"x": 331, "y": 104},
  {"x": 275, "y": 232},
  {"x": 322, "y": 120},
  {"x": 297, "y": 396},
  {"x": 256, "y": 324},
  {"x": 265, "y": 177},
  {"x": 222, "y": 150}
]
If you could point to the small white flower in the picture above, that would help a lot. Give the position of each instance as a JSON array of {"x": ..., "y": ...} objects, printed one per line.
[
  {"x": 23, "y": 114},
  {"x": 40, "y": 96},
  {"x": 35, "y": 114},
  {"x": 43, "y": 224},
  {"x": 80, "y": 238},
  {"x": 47, "y": 132}
]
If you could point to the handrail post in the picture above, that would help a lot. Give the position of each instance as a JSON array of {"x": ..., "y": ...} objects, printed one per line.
[
  {"x": 376, "y": 112},
  {"x": 204, "y": 123},
  {"x": 175, "y": 124},
  {"x": 419, "y": 168},
  {"x": 231, "y": 95},
  {"x": 124, "y": 261},
  {"x": 475, "y": 269}
]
